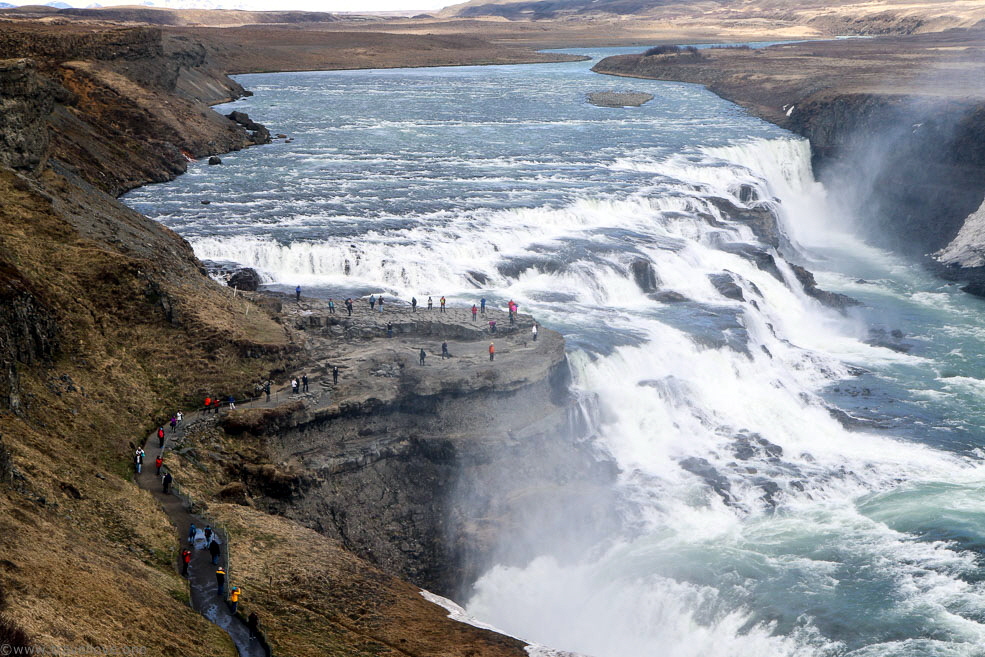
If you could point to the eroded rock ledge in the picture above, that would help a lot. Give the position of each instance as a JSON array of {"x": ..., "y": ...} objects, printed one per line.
[{"x": 423, "y": 470}]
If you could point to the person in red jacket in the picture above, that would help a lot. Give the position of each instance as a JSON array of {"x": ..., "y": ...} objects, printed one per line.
[
  {"x": 492, "y": 351},
  {"x": 186, "y": 558},
  {"x": 475, "y": 311},
  {"x": 208, "y": 404},
  {"x": 158, "y": 462},
  {"x": 160, "y": 436}
]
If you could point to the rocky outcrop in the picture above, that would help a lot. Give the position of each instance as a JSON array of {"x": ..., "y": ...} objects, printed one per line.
[
  {"x": 245, "y": 279},
  {"x": 257, "y": 131},
  {"x": 28, "y": 334},
  {"x": 119, "y": 107},
  {"x": 25, "y": 103}
]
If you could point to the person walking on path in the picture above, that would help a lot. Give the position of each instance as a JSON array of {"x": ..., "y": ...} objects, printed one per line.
[
  {"x": 430, "y": 304},
  {"x": 348, "y": 306},
  {"x": 335, "y": 375},
  {"x": 304, "y": 383},
  {"x": 220, "y": 581},
  {"x": 422, "y": 355},
  {"x": 160, "y": 437},
  {"x": 253, "y": 624},
  {"x": 475, "y": 310},
  {"x": 214, "y": 551},
  {"x": 192, "y": 533},
  {"x": 294, "y": 386},
  {"x": 389, "y": 329},
  {"x": 534, "y": 331},
  {"x": 208, "y": 534},
  {"x": 492, "y": 352},
  {"x": 372, "y": 302},
  {"x": 232, "y": 403},
  {"x": 331, "y": 307},
  {"x": 233, "y": 599},
  {"x": 138, "y": 459},
  {"x": 158, "y": 462},
  {"x": 179, "y": 416},
  {"x": 297, "y": 293},
  {"x": 174, "y": 423},
  {"x": 166, "y": 482},
  {"x": 266, "y": 389},
  {"x": 444, "y": 351},
  {"x": 442, "y": 302},
  {"x": 186, "y": 558},
  {"x": 380, "y": 304},
  {"x": 208, "y": 404},
  {"x": 482, "y": 305},
  {"x": 216, "y": 404},
  {"x": 413, "y": 304}
]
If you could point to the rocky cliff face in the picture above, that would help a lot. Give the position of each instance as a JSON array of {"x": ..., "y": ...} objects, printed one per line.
[
  {"x": 429, "y": 487},
  {"x": 25, "y": 103},
  {"x": 906, "y": 159},
  {"x": 123, "y": 107},
  {"x": 428, "y": 472},
  {"x": 913, "y": 168}
]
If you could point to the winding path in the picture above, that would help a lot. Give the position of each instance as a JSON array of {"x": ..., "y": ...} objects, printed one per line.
[{"x": 201, "y": 572}]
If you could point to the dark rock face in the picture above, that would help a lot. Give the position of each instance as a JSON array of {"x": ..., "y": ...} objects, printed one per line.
[
  {"x": 246, "y": 279},
  {"x": 388, "y": 482},
  {"x": 706, "y": 471},
  {"x": 215, "y": 160},
  {"x": 28, "y": 334},
  {"x": 644, "y": 275},
  {"x": 761, "y": 219},
  {"x": 25, "y": 103},
  {"x": 915, "y": 170},
  {"x": 726, "y": 286},
  {"x": 259, "y": 133},
  {"x": 830, "y": 299}
]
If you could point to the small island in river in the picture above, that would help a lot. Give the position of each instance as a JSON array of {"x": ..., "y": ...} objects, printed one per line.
[{"x": 619, "y": 98}]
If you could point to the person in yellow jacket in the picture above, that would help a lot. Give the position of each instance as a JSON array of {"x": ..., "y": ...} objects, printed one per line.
[{"x": 233, "y": 598}]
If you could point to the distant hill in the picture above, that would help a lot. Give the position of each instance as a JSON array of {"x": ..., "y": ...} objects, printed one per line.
[
  {"x": 4, "y": 5},
  {"x": 58, "y": 5}
]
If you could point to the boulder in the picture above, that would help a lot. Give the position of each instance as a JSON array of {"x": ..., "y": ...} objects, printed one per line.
[
  {"x": 643, "y": 274},
  {"x": 215, "y": 160},
  {"x": 830, "y": 299},
  {"x": 246, "y": 279},
  {"x": 726, "y": 286}
]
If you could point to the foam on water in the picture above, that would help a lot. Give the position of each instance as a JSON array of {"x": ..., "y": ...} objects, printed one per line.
[{"x": 754, "y": 522}]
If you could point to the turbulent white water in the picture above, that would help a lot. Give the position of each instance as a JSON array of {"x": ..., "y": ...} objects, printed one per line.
[{"x": 753, "y": 521}]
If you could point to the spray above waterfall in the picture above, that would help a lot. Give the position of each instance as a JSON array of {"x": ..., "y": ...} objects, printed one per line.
[{"x": 775, "y": 460}]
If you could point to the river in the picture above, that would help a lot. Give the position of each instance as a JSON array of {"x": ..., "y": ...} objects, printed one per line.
[{"x": 755, "y": 520}]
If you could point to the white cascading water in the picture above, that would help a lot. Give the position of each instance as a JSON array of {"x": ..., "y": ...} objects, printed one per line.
[{"x": 754, "y": 523}]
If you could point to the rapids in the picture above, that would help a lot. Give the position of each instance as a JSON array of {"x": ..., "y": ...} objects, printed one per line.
[{"x": 793, "y": 480}]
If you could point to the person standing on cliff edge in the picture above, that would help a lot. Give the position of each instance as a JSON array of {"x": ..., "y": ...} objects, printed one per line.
[
  {"x": 413, "y": 304},
  {"x": 534, "y": 331},
  {"x": 297, "y": 292},
  {"x": 335, "y": 375},
  {"x": 482, "y": 305},
  {"x": 423, "y": 355},
  {"x": 372, "y": 302}
]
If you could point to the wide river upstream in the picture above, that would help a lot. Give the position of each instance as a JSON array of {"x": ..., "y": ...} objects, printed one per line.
[{"x": 793, "y": 480}]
